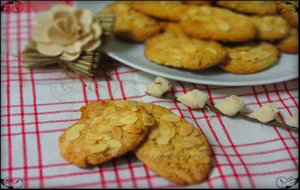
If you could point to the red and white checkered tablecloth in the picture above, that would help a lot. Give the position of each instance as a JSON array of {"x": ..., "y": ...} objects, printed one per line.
[{"x": 37, "y": 105}]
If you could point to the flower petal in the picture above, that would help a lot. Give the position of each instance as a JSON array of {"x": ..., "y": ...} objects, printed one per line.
[
  {"x": 92, "y": 45},
  {"x": 49, "y": 49},
  {"x": 85, "y": 19},
  {"x": 58, "y": 34},
  {"x": 69, "y": 56},
  {"x": 74, "y": 48},
  {"x": 97, "y": 30},
  {"x": 40, "y": 34}
]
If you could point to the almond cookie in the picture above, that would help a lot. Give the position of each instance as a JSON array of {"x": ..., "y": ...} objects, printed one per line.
[
  {"x": 250, "y": 58},
  {"x": 174, "y": 149},
  {"x": 198, "y": 2},
  {"x": 270, "y": 28},
  {"x": 217, "y": 24},
  {"x": 183, "y": 52},
  {"x": 131, "y": 25},
  {"x": 107, "y": 129},
  {"x": 165, "y": 10},
  {"x": 172, "y": 27},
  {"x": 289, "y": 11},
  {"x": 290, "y": 43},
  {"x": 251, "y": 7}
]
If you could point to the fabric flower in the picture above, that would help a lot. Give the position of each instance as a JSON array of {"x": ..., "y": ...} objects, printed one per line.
[
  {"x": 231, "y": 105},
  {"x": 193, "y": 99},
  {"x": 65, "y": 32},
  {"x": 159, "y": 87},
  {"x": 266, "y": 113}
]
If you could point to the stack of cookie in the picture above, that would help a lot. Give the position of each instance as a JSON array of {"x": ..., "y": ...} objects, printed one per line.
[
  {"x": 166, "y": 143},
  {"x": 238, "y": 36}
]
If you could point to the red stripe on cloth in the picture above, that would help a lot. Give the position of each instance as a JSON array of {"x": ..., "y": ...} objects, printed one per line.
[
  {"x": 8, "y": 94},
  {"x": 288, "y": 92},
  {"x": 25, "y": 151},
  {"x": 40, "y": 156},
  {"x": 42, "y": 5},
  {"x": 135, "y": 184},
  {"x": 275, "y": 128},
  {"x": 231, "y": 142}
]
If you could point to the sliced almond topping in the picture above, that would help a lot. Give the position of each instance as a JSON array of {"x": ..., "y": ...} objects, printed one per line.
[
  {"x": 114, "y": 116},
  {"x": 170, "y": 118},
  {"x": 187, "y": 145},
  {"x": 154, "y": 153},
  {"x": 163, "y": 140},
  {"x": 128, "y": 119},
  {"x": 120, "y": 104},
  {"x": 148, "y": 120},
  {"x": 78, "y": 127},
  {"x": 204, "y": 158},
  {"x": 194, "y": 133},
  {"x": 98, "y": 148},
  {"x": 184, "y": 176},
  {"x": 114, "y": 143},
  {"x": 115, "y": 123},
  {"x": 89, "y": 141},
  {"x": 132, "y": 129},
  {"x": 134, "y": 109},
  {"x": 97, "y": 119},
  {"x": 185, "y": 129},
  {"x": 193, "y": 140},
  {"x": 72, "y": 134},
  {"x": 172, "y": 133},
  {"x": 92, "y": 136},
  {"x": 117, "y": 132},
  {"x": 148, "y": 107},
  {"x": 109, "y": 111},
  {"x": 154, "y": 133},
  {"x": 165, "y": 130},
  {"x": 103, "y": 129}
]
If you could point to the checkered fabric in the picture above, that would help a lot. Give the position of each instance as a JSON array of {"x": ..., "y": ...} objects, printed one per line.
[{"x": 38, "y": 105}]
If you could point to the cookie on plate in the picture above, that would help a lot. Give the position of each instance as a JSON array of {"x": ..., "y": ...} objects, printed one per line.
[
  {"x": 164, "y": 10},
  {"x": 174, "y": 149},
  {"x": 172, "y": 27},
  {"x": 290, "y": 43},
  {"x": 289, "y": 11},
  {"x": 270, "y": 28},
  {"x": 107, "y": 129},
  {"x": 184, "y": 52},
  {"x": 251, "y": 7},
  {"x": 250, "y": 58},
  {"x": 198, "y": 2},
  {"x": 131, "y": 25},
  {"x": 219, "y": 24}
]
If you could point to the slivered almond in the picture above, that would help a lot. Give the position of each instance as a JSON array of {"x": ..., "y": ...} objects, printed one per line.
[
  {"x": 184, "y": 176},
  {"x": 128, "y": 119},
  {"x": 132, "y": 129},
  {"x": 114, "y": 143},
  {"x": 185, "y": 129},
  {"x": 193, "y": 140},
  {"x": 98, "y": 148},
  {"x": 154, "y": 133},
  {"x": 71, "y": 135},
  {"x": 170, "y": 118},
  {"x": 148, "y": 120},
  {"x": 117, "y": 132},
  {"x": 163, "y": 140}
]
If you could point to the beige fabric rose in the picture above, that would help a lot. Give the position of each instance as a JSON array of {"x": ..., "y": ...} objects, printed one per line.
[
  {"x": 193, "y": 99},
  {"x": 294, "y": 120},
  {"x": 159, "y": 87},
  {"x": 65, "y": 32},
  {"x": 231, "y": 105},
  {"x": 266, "y": 113}
]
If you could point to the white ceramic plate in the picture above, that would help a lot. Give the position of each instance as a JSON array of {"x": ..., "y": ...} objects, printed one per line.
[{"x": 133, "y": 55}]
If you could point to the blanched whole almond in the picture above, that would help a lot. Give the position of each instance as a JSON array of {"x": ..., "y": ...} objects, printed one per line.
[
  {"x": 170, "y": 118},
  {"x": 132, "y": 129},
  {"x": 98, "y": 148},
  {"x": 148, "y": 120}
]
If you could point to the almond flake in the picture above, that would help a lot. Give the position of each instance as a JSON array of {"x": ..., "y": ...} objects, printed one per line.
[
  {"x": 170, "y": 118},
  {"x": 163, "y": 140},
  {"x": 184, "y": 176},
  {"x": 128, "y": 119},
  {"x": 154, "y": 133},
  {"x": 172, "y": 133},
  {"x": 185, "y": 129},
  {"x": 103, "y": 129},
  {"x": 97, "y": 120},
  {"x": 114, "y": 143},
  {"x": 109, "y": 111},
  {"x": 78, "y": 127},
  {"x": 117, "y": 132},
  {"x": 165, "y": 130},
  {"x": 120, "y": 104},
  {"x": 193, "y": 140},
  {"x": 187, "y": 145},
  {"x": 98, "y": 148},
  {"x": 72, "y": 134},
  {"x": 148, "y": 120},
  {"x": 132, "y": 129}
]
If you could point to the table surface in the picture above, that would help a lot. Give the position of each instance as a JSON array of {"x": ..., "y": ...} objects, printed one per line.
[{"x": 38, "y": 105}]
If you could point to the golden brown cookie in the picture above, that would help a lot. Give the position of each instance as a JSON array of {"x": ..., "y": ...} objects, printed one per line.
[
  {"x": 250, "y": 58},
  {"x": 289, "y": 10},
  {"x": 251, "y": 7},
  {"x": 290, "y": 43},
  {"x": 172, "y": 27},
  {"x": 131, "y": 25},
  {"x": 184, "y": 52},
  {"x": 165, "y": 10},
  {"x": 174, "y": 149},
  {"x": 270, "y": 28},
  {"x": 217, "y": 24},
  {"x": 107, "y": 129}
]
